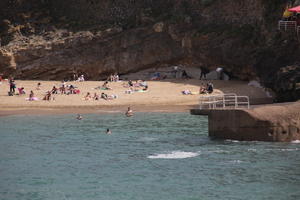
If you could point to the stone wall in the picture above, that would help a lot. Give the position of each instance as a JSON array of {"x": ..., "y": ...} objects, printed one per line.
[{"x": 276, "y": 123}]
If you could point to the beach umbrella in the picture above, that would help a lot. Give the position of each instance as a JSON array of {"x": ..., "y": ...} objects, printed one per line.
[{"x": 295, "y": 9}]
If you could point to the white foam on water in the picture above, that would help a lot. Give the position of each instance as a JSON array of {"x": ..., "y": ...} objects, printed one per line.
[
  {"x": 218, "y": 151},
  {"x": 252, "y": 150},
  {"x": 236, "y": 161},
  {"x": 296, "y": 142},
  {"x": 296, "y": 149},
  {"x": 146, "y": 139},
  {"x": 174, "y": 155},
  {"x": 232, "y": 141}
]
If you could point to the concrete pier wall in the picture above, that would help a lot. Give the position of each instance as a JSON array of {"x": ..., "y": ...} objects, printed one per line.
[{"x": 279, "y": 123}]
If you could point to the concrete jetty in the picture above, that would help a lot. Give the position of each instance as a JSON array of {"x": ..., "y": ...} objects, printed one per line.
[{"x": 275, "y": 122}]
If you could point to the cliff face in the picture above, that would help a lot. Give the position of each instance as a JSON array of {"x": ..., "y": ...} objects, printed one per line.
[{"x": 51, "y": 39}]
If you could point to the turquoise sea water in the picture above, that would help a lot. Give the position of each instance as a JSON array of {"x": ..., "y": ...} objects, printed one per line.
[{"x": 166, "y": 156}]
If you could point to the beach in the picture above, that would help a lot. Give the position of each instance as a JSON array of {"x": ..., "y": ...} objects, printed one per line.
[{"x": 161, "y": 96}]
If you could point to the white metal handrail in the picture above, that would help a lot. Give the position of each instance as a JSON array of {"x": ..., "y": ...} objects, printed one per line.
[
  {"x": 287, "y": 25},
  {"x": 223, "y": 101}
]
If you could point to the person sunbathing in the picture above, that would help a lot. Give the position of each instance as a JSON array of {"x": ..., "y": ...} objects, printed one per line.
[
  {"x": 87, "y": 96},
  {"x": 21, "y": 91},
  {"x": 47, "y": 97},
  {"x": 96, "y": 96},
  {"x": 104, "y": 96},
  {"x": 31, "y": 96},
  {"x": 202, "y": 90},
  {"x": 186, "y": 92},
  {"x": 108, "y": 97},
  {"x": 105, "y": 86},
  {"x": 54, "y": 90},
  {"x": 145, "y": 88}
]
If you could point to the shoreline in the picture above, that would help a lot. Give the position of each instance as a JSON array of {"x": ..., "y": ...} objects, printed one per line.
[{"x": 9, "y": 111}]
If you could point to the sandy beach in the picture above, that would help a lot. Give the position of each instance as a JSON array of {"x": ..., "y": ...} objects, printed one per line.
[{"x": 162, "y": 96}]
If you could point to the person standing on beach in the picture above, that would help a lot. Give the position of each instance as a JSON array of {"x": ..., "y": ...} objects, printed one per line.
[
  {"x": 129, "y": 112},
  {"x": 204, "y": 71},
  {"x": 12, "y": 86}
]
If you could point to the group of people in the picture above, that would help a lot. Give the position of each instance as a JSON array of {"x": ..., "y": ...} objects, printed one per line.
[
  {"x": 113, "y": 78},
  {"x": 128, "y": 113},
  {"x": 97, "y": 97},
  {"x": 206, "y": 89},
  {"x": 137, "y": 86}
]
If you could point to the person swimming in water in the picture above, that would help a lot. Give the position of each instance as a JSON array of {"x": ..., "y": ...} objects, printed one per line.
[
  {"x": 108, "y": 131},
  {"x": 79, "y": 117},
  {"x": 129, "y": 112}
]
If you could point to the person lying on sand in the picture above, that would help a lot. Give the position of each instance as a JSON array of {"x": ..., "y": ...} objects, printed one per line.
[
  {"x": 87, "y": 96},
  {"x": 108, "y": 97},
  {"x": 96, "y": 96},
  {"x": 21, "y": 90}
]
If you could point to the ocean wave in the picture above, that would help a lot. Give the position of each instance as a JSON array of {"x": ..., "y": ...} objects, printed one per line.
[
  {"x": 234, "y": 141},
  {"x": 236, "y": 161},
  {"x": 146, "y": 139},
  {"x": 296, "y": 141},
  {"x": 174, "y": 155},
  {"x": 218, "y": 151}
]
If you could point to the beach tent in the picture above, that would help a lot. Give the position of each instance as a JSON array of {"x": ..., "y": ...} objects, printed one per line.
[{"x": 295, "y": 9}]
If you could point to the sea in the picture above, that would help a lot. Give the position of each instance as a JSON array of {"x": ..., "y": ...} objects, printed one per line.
[{"x": 150, "y": 156}]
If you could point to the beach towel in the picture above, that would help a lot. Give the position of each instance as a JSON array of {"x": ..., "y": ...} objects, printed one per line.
[{"x": 32, "y": 99}]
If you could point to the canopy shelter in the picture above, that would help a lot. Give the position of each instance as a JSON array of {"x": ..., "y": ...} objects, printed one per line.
[{"x": 295, "y": 9}]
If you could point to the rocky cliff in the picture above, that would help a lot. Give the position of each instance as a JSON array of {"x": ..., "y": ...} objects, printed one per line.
[{"x": 51, "y": 39}]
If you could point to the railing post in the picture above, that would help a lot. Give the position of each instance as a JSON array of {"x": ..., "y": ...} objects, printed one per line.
[
  {"x": 284, "y": 26},
  {"x": 235, "y": 102}
]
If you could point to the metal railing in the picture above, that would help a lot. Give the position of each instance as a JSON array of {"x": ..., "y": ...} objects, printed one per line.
[
  {"x": 287, "y": 26},
  {"x": 224, "y": 101}
]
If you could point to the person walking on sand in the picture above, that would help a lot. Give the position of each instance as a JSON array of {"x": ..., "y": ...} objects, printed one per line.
[{"x": 129, "y": 112}]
